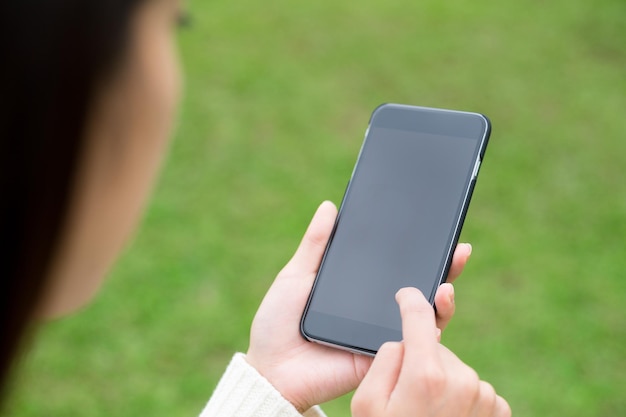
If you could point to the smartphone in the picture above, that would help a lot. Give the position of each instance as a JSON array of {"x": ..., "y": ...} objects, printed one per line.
[{"x": 398, "y": 223}]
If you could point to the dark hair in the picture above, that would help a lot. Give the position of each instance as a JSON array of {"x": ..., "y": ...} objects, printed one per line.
[{"x": 54, "y": 55}]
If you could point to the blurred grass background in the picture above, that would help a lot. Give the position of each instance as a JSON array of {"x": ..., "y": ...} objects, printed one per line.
[{"x": 278, "y": 97}]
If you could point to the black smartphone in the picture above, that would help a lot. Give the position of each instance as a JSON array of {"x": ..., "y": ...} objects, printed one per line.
[{"x": 398, "y": 223}]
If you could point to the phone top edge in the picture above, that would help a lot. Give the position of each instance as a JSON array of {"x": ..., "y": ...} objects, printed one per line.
[
  {"x": 432, "y": 120},
  {"x": 437, "y": 109},
  {"x": 484, "y": 118}
]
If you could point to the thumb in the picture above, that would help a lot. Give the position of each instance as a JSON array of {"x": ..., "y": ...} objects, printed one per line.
[{"x": 309, "y": 254}]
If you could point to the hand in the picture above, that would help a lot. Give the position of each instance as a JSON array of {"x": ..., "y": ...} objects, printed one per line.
[
  {"x": 420, "y": 377},
  {"x": 307, "y": 373}
]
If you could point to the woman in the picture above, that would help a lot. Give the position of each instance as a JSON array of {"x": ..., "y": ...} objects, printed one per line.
[{"x": 88, "y": 92}]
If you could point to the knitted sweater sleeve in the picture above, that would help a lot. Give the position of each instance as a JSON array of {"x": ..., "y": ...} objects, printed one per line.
[{"x": 243, "y": 392}]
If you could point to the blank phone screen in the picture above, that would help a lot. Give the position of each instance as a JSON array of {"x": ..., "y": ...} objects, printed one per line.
[{"x": 395, "y": 228}]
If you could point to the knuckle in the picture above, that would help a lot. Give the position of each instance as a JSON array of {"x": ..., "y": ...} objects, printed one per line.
[
  {"x": 362, "y": 404},
  {"x": 468, "y": 387},
  {"x": 361, "y": 366},
  {"x": 487, "y": 397},
  {"x": 316, "y": 240},
  {"x": 504, "y": 409},
  {"x": 471, "y": 379},
  {"x": 390, "y": 348},
  {"x": 433, "y": 381},
  {"x": 488, "y": 390}
]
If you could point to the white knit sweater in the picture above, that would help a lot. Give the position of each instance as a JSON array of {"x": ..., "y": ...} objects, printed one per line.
[{"x": 243, "y": 392}]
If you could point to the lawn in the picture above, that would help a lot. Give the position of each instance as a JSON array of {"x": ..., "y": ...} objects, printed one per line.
[{"x": 278, "y": 96}]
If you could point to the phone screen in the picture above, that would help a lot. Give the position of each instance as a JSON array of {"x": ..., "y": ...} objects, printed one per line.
[{"x": 398, "y": 223}]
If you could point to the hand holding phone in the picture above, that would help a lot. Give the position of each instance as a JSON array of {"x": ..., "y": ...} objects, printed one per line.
[
  {"x": 308, "y": 373},
  {"x": 420, "y": 377}
]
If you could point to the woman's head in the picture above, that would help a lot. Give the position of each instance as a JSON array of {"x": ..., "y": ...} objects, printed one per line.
[{"x": 87, "y": 97}]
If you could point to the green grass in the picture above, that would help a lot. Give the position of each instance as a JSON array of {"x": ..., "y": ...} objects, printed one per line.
[{"x": 278, "y": 97}]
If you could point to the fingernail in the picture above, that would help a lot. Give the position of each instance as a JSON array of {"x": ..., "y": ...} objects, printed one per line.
[
  {"x": 438, "y": 333},
  {"x": 467, "y": 247},
  {"x": 452, "y": 295}
]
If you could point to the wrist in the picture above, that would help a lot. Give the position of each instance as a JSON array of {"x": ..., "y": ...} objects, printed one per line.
[
  {"x": 284, "y": 386},
  {"x": 243, "y": 391}
]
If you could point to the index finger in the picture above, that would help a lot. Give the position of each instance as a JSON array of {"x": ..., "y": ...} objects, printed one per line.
[{"x": 419, "y": 330}]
